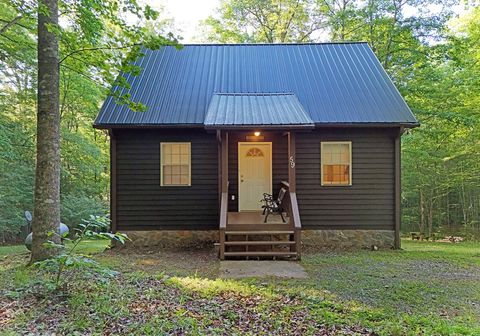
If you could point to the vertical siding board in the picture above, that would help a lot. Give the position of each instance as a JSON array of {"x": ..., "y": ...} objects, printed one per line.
[
  {"x": 144, "y": 203},
  {"x": 113, "y": 181},
  {"x": 369, "y": 202},
  {"x": 398, "y": 189}
]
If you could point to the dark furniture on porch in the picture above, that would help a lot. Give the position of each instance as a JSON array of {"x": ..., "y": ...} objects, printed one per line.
[{"x": 273, "y": 206}]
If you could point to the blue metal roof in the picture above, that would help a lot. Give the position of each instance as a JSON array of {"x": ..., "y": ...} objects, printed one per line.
[
  {"x": 273, "y": 109},
  {"x": 336, "y": 83}
]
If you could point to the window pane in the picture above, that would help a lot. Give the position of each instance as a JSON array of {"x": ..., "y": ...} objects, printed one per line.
[
  {"x": 328, "y": 148},
  {"x": 175, "y": 159},
  {"x": 166, "y": 157},
  {"x": 336, "y": 157},
  {"x": 327, "y": 173},
  {"x": 175, "y": 179},
  {"x": 184, "y": 149},
  {"x": 167, "y": 170},
  {"x": 184, "y": 179},
  {"x": 184, "y": 169},
  {"x": 167, "y": 179},
  {"x": 176, "y": 169},
  {"x": 175, "y": 149},
  {"x": 167, "y": 148},
  {"x": 327, "y": 158}
]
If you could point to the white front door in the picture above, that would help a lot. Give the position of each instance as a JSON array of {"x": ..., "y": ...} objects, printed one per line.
[{"x": 254, "y": 174}]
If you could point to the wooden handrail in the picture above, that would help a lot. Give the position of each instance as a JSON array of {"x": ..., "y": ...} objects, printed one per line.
[
  {"x": 293, "y": 215},
  {"x": 223, "y": 210},
  {"x": 223, "y": 222}
]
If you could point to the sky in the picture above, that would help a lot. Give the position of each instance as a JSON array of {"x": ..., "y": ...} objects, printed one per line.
[{"x": 187, "y": 14}]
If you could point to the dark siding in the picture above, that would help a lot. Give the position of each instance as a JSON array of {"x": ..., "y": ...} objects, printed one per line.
[
  {"x": 143, "y": 204},
  {"x": 279, "y": 162},
  {"x": 369, "y": 203}
]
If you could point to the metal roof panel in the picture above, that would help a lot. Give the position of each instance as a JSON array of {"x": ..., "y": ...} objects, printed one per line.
[
  {"x": 247, "y": 109},
  {"x": 334, "y": 83}
]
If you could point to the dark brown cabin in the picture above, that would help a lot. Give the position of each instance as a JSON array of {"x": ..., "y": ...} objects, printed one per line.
[{"x": 317, "y": 124}]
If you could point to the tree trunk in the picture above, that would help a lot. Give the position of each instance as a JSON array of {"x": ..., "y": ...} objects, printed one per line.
[
  {"x": 430, "y": 219},
  {"x": 421, "y": 225},
  {"x": 47, "y": 175}
]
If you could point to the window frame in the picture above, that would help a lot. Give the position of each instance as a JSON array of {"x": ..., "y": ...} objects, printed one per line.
[
  {"x": 322, "y": 182},
  {"x": 162, "y": 144}
]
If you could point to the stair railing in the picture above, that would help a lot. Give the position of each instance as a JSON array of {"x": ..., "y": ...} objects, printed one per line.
[
  {"x": 223, "y": 222},
  {"x": 291, "y": 206}
]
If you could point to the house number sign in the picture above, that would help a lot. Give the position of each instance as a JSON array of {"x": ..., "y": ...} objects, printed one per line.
[{"x": 291, "y": 160}]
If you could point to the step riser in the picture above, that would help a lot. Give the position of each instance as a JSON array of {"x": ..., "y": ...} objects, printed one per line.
[
  {"x": 260, "y": 227},
  {"x": 260, "y": 254},
  {"x": 258, "y": 243},
  {"x": 258, "y": 233}
]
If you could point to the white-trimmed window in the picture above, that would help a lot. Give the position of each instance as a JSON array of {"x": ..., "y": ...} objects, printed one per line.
[
  {"x": 336, "y": 163},
  {"x": 175, "y": 164}
]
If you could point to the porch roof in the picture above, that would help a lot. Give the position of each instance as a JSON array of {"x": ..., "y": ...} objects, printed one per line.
[{"x": 238, "y": 110}]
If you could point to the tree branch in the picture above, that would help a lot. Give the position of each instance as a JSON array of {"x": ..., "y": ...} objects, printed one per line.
[
  {"x": 96, "y": 49},
  {"x": 9, "y": 24}
]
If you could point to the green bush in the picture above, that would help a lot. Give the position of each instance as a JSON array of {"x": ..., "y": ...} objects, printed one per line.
[{"x": 76, "y": 208}]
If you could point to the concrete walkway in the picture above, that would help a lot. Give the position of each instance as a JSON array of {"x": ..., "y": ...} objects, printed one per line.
[{"x": 236, "y": 269}]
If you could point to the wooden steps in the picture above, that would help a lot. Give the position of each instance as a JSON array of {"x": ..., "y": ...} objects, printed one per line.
[
  {"x": 260, "y": 254},
  {"x": 258, "y": 227},
  {"x": 259, "y": 243},
  {"x": 259, "y": 240},
  {"x": 258, "y": 233}
]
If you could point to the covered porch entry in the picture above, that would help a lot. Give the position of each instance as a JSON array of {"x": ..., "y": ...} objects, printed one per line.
[{"x": 256, "y": 148}]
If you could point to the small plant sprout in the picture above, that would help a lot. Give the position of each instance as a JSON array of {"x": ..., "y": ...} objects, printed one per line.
[{"x": 96, "y": 227}]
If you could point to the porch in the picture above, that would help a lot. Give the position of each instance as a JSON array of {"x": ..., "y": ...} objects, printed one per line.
[
  {"x": 244, "y": 232},
  {"x": 259, "y": 130}
]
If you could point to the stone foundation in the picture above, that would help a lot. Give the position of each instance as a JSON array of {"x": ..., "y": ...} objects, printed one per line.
[
  {"x": 348, "y": 239},
  {"x": 311, "y": 239},
  {"x": 172, "y": 238}
]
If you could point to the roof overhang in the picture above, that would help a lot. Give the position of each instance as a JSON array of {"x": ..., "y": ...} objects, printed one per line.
[
  {"x": 368, "y": 124},
  {"x": 242, "y": 127},
  {"x": 256, "y": 110}
]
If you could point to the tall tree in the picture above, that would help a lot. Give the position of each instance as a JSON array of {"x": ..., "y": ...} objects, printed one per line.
[
  {"x": 95, "y": 37},
  {"x": 272, "y": 21},
  {"x": 46, "y": 218},
  {"x": 96, "y": 40}
]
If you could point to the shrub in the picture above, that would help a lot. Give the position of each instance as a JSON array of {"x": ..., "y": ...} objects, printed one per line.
[{"x": 77, "y": 208}]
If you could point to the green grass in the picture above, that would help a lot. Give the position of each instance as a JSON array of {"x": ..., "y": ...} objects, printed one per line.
[
  {"x": 12, "y": 250},
  {"x": 85, "y": 247},
  {"x": 426, "y": 288}
]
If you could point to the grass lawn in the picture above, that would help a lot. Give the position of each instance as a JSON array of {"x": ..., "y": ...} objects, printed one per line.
[{"x": 425, "y": 289}]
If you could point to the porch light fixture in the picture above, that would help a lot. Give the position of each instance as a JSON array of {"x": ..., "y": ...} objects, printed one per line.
[{"x": 256, "y": 134}]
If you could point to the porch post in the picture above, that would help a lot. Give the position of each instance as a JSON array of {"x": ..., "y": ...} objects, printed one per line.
[
  {"x": 224, "y": 192},
  {"x": 291, "y": 162},
  {"x": 224, "y": 155},
  {"x": 219, "y": 166}
]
